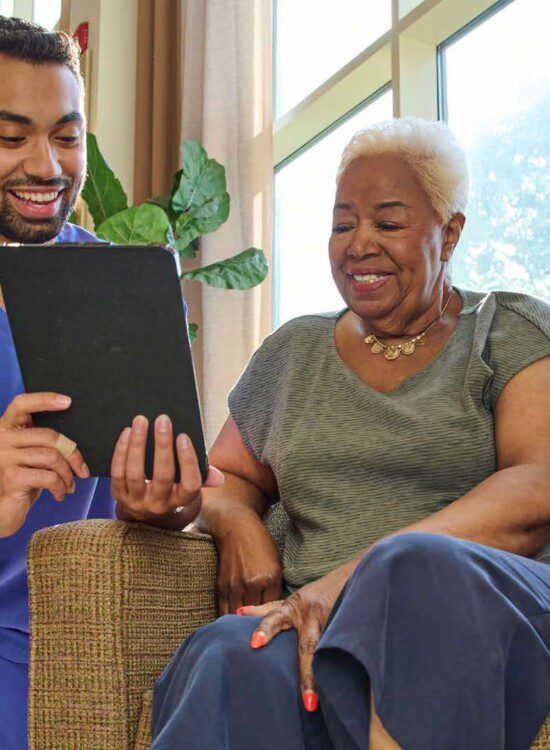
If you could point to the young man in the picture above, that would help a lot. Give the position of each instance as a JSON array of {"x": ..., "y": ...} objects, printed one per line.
[{"x": 42, "y": 169}]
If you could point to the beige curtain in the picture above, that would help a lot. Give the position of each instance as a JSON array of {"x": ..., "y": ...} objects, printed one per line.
[
  {"x": 227, "y": 106},
  {"x": 158, "y": 96}
]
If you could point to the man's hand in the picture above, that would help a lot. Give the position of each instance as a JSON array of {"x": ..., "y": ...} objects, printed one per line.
[
  {"x": 156, "y": 501},
  {"x": 29, "y": 461}
]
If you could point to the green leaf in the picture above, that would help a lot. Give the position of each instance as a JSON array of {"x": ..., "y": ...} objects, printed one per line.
[
  {"x": 242, "y": 271},
  {"x": 186, "y": 231},
  {"x": 212, "y": 214},
  {"x": 139, "y": 225},
  {"x": 202, "y": 179},
  {"x": 161, "y": 200},
  {"x": 103, "y": 192},
  {"x": 193, "y": 331}
]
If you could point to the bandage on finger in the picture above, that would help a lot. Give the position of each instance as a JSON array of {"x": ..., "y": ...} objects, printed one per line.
[{"x": 65, "y": 446}]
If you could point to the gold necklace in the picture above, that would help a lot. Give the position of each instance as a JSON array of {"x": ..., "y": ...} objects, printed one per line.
[{"x": 392, "y": 351}]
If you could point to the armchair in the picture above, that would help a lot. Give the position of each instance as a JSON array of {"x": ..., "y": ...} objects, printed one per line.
[{"x": 110, "y": 602}]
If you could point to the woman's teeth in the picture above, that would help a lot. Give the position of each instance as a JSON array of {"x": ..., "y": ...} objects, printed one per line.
[
  {"x": 37, "y": 197},
  {"x": 369, "y": 278}
]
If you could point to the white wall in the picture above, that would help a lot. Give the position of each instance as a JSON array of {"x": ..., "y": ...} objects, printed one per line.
[{"x": 113, "y": 47}]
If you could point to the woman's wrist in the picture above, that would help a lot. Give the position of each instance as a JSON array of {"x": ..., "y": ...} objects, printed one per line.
[{"x": 217, "y": 519}]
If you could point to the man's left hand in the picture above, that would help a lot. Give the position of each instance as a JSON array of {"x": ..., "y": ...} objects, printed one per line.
[{"x": 156, "y": 501}]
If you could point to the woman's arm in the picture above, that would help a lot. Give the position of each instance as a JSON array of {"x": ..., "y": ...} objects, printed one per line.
[
  {"x": 510, "y": 510},
  {"x": 250, "y": 569},
  {"x": 248, "y": 483}
]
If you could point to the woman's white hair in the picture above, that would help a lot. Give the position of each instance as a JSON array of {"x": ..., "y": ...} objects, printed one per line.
[{"x": 429, "y": 148}]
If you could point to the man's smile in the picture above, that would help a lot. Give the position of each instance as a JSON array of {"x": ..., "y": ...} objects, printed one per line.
[{"x": 36, "y": 203}]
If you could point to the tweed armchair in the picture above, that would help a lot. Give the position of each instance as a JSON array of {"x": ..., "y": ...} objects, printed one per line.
[{"x": 110, "y": 602}]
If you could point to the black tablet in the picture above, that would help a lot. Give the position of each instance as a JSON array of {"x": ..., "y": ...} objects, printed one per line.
[{"x": 104, "y": 324}]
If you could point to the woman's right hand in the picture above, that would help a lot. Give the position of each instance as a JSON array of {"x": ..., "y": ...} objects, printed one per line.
[
  {"x": 250, "y": 568},
  {"x": 29, "y": 460}
]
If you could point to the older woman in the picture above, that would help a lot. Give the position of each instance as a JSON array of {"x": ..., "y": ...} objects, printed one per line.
[{"x": 408, "y": 440}]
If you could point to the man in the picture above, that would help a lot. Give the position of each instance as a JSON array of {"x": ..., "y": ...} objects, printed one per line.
[{"x": 42, "y": 169}]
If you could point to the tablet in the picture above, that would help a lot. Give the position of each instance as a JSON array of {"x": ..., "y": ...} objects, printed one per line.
[{"x": 104, "y": 324}]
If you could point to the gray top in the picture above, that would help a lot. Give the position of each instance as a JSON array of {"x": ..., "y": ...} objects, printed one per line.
[{"x": 352, "y": 464}]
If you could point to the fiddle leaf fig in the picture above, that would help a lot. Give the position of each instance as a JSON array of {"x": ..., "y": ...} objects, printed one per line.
[
  {"x": 139, "y": 225},
  {"x": 242, "y": 271},
  {"x": 102, "y": 191}
]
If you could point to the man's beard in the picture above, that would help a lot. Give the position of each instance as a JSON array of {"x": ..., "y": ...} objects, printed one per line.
[{"x": 17, "y": 228}]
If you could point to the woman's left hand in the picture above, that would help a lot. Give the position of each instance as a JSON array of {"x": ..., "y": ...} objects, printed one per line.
[{"x": 307, "y": 610}]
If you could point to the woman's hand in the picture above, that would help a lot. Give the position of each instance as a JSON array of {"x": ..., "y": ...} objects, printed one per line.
[
  {"x": 29, "y": 460},
  {"x": 250, "y": 569},
  {"x": 158, "y": 501},
  {"x": 307, "y": 610}
]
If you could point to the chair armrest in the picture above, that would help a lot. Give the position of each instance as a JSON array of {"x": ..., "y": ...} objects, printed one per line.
[{"x": 110, "y": 602}]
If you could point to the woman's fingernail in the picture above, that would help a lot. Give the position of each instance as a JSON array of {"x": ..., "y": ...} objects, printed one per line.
[
  {"x": 239, "y": 611},
  {"x": 184, "y": 442},
  {"x": 63, "y": 400},
  {"x": 310, "y": 699},
  {"x": 139, "y": 425},
  {"x": 85, "y": 470},
  {"x": 163, "y": 423},
  {"x": 258, "y": 640}
]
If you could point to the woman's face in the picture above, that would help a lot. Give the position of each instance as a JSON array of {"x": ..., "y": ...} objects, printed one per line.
[{"x": 387, "y": 242}]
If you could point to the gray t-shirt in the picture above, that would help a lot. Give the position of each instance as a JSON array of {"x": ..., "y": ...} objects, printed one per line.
[{"x": 352, "y": 464}]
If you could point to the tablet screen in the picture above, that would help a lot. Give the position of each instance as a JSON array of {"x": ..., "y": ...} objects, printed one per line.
[{"x": 104, "y": 324}]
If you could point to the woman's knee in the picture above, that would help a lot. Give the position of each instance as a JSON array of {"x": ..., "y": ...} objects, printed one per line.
[
  {"x": 418, "y": 550},
  {"x": 415, "y": 562},
  {"x": 224, "y": 645}
]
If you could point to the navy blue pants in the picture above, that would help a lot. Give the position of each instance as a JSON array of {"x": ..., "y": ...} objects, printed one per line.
[{"x": 453, "y": 637}]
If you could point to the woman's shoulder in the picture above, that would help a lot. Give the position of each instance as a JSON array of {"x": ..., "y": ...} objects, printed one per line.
[
  {"x": 303, "y": 331},
  {"x": 509, "y": 311},
  {"x": 511, "y": 332}
]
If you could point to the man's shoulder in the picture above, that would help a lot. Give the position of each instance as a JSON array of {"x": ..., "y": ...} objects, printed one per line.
[{"x": 73, "y": 233}]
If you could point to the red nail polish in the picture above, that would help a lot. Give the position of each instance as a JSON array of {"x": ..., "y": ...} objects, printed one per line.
[
  {"x": 311, "y": 701},
  {"x": 258, "y": 640},
  {"x": 239, "y": 611}
]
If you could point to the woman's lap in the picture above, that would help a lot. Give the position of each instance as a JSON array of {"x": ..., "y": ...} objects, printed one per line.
[
  {"x": 454, "y": 636},
  {"x": 13, "y": 705}
]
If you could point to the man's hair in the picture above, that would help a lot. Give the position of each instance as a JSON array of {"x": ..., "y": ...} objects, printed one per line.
[{"x": 31, "y": 43}]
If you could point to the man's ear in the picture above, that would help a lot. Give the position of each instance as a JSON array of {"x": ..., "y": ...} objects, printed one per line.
[{"x": 451, "y": 234}]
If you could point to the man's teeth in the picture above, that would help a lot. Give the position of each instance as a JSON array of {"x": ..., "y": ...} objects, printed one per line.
[
  {"x": 369, "y": 278},
  {"x": 37, "y": 197}
]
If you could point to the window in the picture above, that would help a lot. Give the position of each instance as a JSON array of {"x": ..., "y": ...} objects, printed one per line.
[
  {"x": 314, "y": 40},
  {"x": 304, "y": 198},
  {"x": 478, "y": 64},
  {"x": 500, "y": 111},
  {"x": 43, "y": 12},
  {"x": 6, "y": 8}
]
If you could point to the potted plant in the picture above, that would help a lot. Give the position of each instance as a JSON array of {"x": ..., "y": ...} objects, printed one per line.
[{"x": 198, "y": 203}]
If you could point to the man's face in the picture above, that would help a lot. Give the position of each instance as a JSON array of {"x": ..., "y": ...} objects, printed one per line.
[{"x": 42, "y": 149}]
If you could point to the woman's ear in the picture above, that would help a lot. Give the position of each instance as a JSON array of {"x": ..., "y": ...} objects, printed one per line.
[{"x": 451, "y": 234}]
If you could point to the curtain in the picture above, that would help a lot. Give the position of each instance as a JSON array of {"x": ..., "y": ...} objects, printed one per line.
[
  {"x": 158, "y": 96},
  {"x": 227, "y": 106}
]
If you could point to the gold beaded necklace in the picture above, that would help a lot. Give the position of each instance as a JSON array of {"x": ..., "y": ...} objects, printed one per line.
[{"x": 392, "y": 351}]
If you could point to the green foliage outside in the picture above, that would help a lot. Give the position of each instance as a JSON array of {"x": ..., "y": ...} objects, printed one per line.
[
  {"x": 506, "y": 241},
  {"x": 198, "y": 203}
]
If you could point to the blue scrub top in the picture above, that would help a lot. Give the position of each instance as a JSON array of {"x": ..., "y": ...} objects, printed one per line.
[{"x": 92, "y": 499}]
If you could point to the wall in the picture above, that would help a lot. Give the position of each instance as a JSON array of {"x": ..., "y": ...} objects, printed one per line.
[{"x": 113, "y": 46}]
